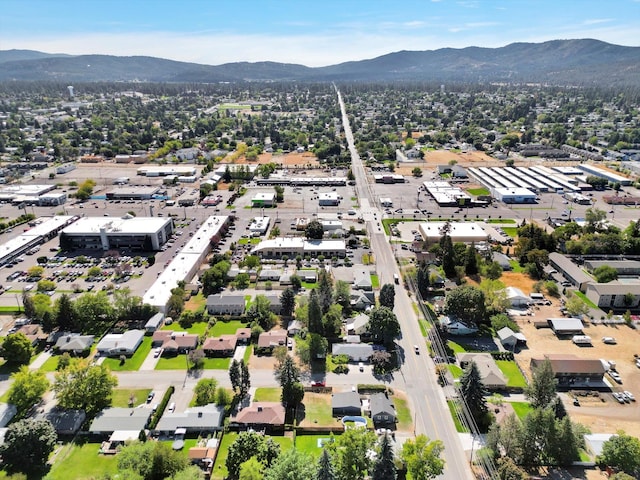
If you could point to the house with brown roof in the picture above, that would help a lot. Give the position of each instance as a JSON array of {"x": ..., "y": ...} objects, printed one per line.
[
  {"x": 222, "y": 346},
  {"x": 573, "y": 371},
  {"x": 267, "y": 341},
  {"x": 174, "y": 342},
  {"x": 243, "y": 335},
  {"x": 260, "y": 416}
]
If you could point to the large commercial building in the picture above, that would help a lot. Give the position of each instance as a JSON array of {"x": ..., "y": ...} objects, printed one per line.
[
  {"x": 188, "y": 261},
  {"x": 614, "y": 295},
  {"x": 164, "y": 170},
  {"x": 513, "y": 195},
  {"x": 292, "y": 247},
  {"x": 330, "y": 199},
  {"x": 460, "y": 232},
  {"x": 106, "y": 233},
  {"x": 263, "y": 199}
]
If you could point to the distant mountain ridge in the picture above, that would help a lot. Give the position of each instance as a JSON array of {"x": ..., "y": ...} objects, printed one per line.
[{"x": 559, "y": 62}]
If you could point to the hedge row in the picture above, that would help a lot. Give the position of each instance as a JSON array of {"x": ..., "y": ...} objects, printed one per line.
[{"x": 163, "y": 404}]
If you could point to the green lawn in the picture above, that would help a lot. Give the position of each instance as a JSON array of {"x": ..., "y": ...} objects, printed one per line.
[
  {"x": 375, "y": 281},
  {"x": 457, "y": 348},
  {"x": 521, "y": 409},
  {"x": 247, "y": 353},
  {"x": 216, "y": 363},
  {"x": 515, "y": 266},
  {"x": 500, "y": 220},
  {"x": 267, "y": 394},
  {"x": 121, "y": 396},
  {"x": 456, "y": 420},
  {"x": 226, "y": 328},
  {"x": 478, "y": 191},
  {"x": 512, "y": 372},
  {"x": 198, "y": 328},
  {"x": 405, "y": 421},
  {"x": 585, "y": 299},
  {"x": 455, "y": 370},
  {"x": 133, "y": 363},
  {"x": 82, "y": 461},
  {"x": 511, "y": 231},
  {"x": 309, "y": 443},
  {"x": 316, "y": 410},
  {"x": 178, "y": 362},
  {"x": 50, "y": 365}
]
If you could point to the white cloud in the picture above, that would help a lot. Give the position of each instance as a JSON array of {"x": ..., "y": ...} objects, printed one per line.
[{"x": 596, "y": 21}]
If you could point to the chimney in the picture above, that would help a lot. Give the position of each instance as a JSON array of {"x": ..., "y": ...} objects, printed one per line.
[
  {"x": 199, "y": 414},
  {"x": 259, "y": 409}
]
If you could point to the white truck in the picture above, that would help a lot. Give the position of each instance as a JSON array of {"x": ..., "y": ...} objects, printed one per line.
[{"x": 581, "y": 340}]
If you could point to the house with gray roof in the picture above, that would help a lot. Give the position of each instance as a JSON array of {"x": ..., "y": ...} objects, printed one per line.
[
  {"x": 275, "y": 305},
  {"x": 509, "y": 339},
  {"x": 346, "y": 403},
  {"x": 358, "y": 325},
  {"x": 357, "y": 352},
  {"x": 503, "y": 260},
  {"x": 490, "y": 373},
  {"x": 614, "y": 295},
  {"x": 66, "y": 422},
  {"x": 115, "y": 344},
  {"x": 269, "y": 274},
  {"x": 226, "y": 304},
  {"x": 572, "y": 272},
  {"x": 154, "y": 323},
  {"x": 117, "y": 419},
  {"x": 204, "y": 419},
  {"x": 361, "y": 300},
  {"x": 362, "y": 279},
  {"x": 383, "y": 412},
  {"x": 74, "y": 343}
]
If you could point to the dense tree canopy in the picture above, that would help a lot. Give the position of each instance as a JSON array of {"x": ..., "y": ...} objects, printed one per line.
[
  {"x": 466, "y": 303},
  {"x": 27, "y": 445},
  {"x": 84, "y": 386},
  {"x": 27, "y": 389}
]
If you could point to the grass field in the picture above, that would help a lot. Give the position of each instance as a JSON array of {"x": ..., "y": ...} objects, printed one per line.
[
  {"x": 521, "y": 409},
  {"x": 309, "y": 443},
  {"x": 375, "y": 281},
  {"x": 197, "y": 328},
  {"x": 455, "y": 370},
  {"x": 226, "y": 328},
  {"x": 515, "y": 266},
  {"x": 512, "y": 372},
  {"x": 50, "y": 365},
  {"x": 81, "y": 461},
  {"x": 317, "y": 410},
  {"x": 216, "y": 363},
  {"x": 500, "y": 220},
  {"x": 457, "y": 348},
  {"x": 195, "y": 302},
  {"x": 511, "y": 231},
  {"x": 585, "y": 299},
  {"x": 121, "y": 396},
  {"x": 179, "y": 362},
  {"x": 452, "y": 409},
  {"x": 405, "y": 422},
  {"x": 133, "y": 363},
  {"x": 266, "y": 394},
  {"x": 478, "y": 191}
]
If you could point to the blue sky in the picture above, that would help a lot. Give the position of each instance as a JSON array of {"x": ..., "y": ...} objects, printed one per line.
[{"x": 309, "y": 32}]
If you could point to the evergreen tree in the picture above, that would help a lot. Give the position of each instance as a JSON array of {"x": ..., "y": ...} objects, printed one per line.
[
  {"x": 245, "y": 380},
  {"x": 325, "y": 290},
  {"x": 448, "y": 257},
  {"x": 288, "y": 374},
  {"x": 541, "y": 391},
  {"x": 315, "y": 314},
  {"x": 473, "y": 393},
  {"x": 288, "y": 302},
  {"x": 235, "y": 376},
  {"x": 65, "y": 314},
  {"x": 422, "y": 279},
  {"x": 385, "y": 467},
  {"x": 325, "y": 467},
  {"x": 387, "y": 295},
  {"x": 471, "y": 262}
]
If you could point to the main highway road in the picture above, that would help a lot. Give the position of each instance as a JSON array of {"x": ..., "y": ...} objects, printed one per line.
[{"x": 417, "y": 375}]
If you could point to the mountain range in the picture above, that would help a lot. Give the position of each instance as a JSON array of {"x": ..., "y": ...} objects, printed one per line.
[{"x": 584, "y": 62}]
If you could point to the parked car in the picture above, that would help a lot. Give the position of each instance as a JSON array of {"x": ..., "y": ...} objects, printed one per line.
[
  {"x": 618, "y": 397},
  {"x": 318, "y": 384},
  {"x": 609, "y": 340},
  {"x": 150, "y": 396},
  {"x": 630, "y": 395},
  {"x": 416, "y": 349},
  {"x": 616, "y": 376},
  {"x": 576, "y": 402}
]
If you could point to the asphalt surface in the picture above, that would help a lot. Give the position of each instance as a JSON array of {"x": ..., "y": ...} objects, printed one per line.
[{"x": 417, "y": 375}]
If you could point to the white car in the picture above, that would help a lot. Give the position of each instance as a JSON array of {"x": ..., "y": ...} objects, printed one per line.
[
  {"x": 157, "y": 352},
  {"x": 618, "y": 396},
  {"x": 630, "y": 395},
  {"x": 616, "y": 376},
  {"x": 609, "y": 340}
]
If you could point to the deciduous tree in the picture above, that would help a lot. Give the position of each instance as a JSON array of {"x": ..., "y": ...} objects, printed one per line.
[
  {"x": 621, "y": 451},
  {"x": 27, "y": 389},
  {"x": 27, "y": 445},
  {"x": 466, "y": 303},
  {"x": 84, "y": 386},
  {"x": 541, "y": 391},
  {"x": 292, "y": 464},
  {"x": 384, "y": 325},
  {"x": 17, "y": 349},
  {"x": 423, "y": 457}
]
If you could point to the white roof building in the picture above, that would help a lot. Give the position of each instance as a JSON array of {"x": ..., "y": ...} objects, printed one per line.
[
  {"x": 463, "y": 232},
  {"x": 292, "y": 247}
]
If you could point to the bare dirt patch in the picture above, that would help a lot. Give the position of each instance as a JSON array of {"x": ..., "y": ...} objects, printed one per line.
[
  {"x": 294, "y": 159},
  {"x": 599, "y": 416},
  {"x": 443, "y": 157},
  {"x": 518, "y": 280}
]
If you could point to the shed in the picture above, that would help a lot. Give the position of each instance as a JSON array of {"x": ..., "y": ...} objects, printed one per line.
[
  {"x": 509, "y": 339},
  {"x": 154, "y": 323},
  {"x": 566, "y": 326}
]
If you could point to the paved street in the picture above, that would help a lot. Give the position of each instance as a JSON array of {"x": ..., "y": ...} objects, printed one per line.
[{"x": 417, "y": 376}]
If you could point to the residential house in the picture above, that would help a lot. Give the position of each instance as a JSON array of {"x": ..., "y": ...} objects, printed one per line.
[
  {"x": 275, "y": 305},
  {"x": 34, "y": 333},
  {"x": 357, "y": 352},
  {"x": 208, "y": 418},
  {"x": 362, "y": 279},
  {"x": 269, "y": 274},
  {"x": 267, "y": 341},
  {"x": 222, "y": 346},
  {"x": 66, "y": 422},
  {"x": 457, "y": 327},
  {"x": 120, "y": 419},
  {"x": 383, "y": 412},
  {"x": 180, "y": 342},
  {"x": 229, "y": 304},
  {"x": 573, "y": 371},
  {"x": 572, "y": 272},
  {"x": 490, "y": 374},
  {"x": 361, "y": 301},
  {"x": 346, "y": 403},
  {"x": 154, "y": 323},
  {"x": 614, "y": 295},
  {"x": 358, "y": 325},
  {"x": 294, "y": 327},
  {"x": 115, "y": 344},
  {"x": 258, "y": 416},
  {"x": 503, "y": 260},
  {"x": 308, "y": 275},
  {"x": 436, "y": 280},
  {"x": 74, "y": 343},
  {"x": 244, "y": 335}
]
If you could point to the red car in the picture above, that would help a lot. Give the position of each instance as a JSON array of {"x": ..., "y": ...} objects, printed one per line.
[{"x": 318, "y": 384}]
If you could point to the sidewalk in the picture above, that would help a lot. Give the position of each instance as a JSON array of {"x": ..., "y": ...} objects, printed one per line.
[{"x": 39, "y": 361}]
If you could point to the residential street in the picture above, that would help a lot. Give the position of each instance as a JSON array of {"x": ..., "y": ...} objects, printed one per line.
[{"x": 417, "y": 376}]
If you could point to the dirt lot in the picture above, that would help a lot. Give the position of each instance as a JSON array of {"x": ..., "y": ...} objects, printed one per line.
[
  {"x": 599, "y": 416},
  {"x": 443, "y": 157}
]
